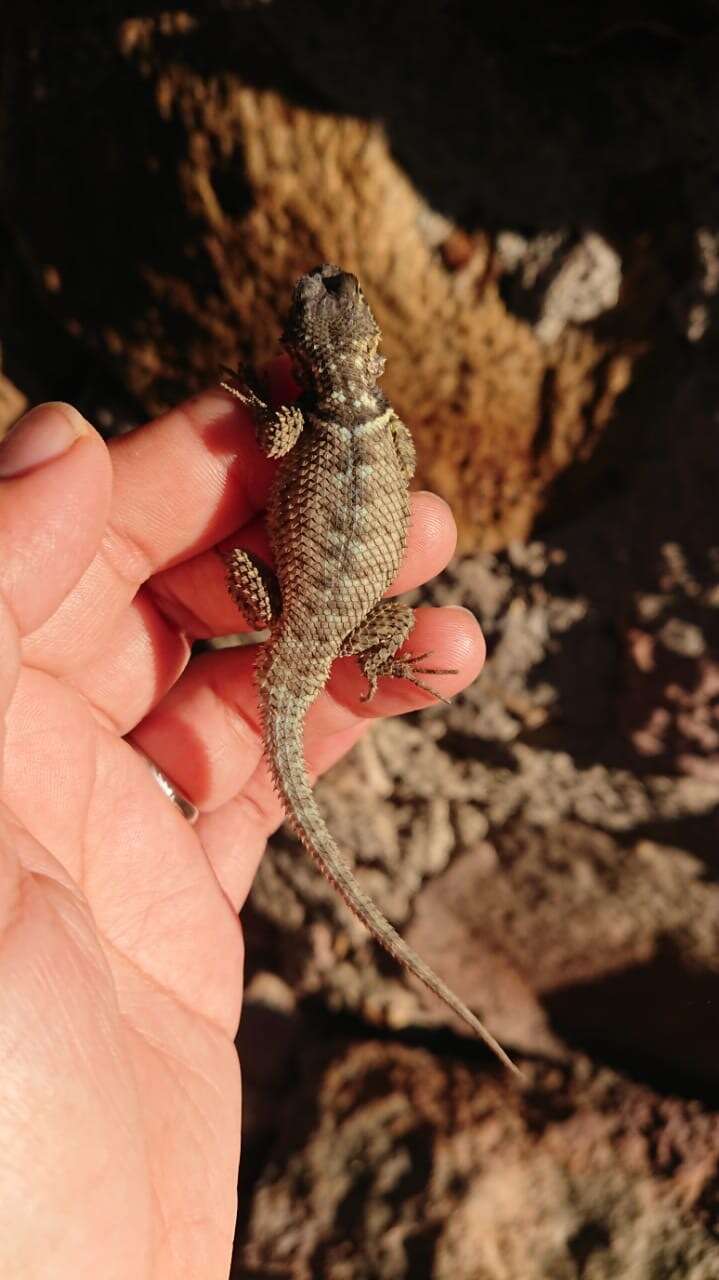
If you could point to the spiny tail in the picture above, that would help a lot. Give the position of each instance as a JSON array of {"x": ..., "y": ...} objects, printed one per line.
[{"x": 284, "y": 718}]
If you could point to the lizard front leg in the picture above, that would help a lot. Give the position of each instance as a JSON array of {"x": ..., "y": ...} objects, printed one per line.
[
  {"x": 278, "y": 430},
  {"x": 254, "y": 588},
  {"x": 375, "y": 643}
]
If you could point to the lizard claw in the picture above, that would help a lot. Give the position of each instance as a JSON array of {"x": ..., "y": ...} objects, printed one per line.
[
  {"x": 405, "y": 668},
  {"x": 371, "y": 689},
  {"x": 420, "y": 684},
  {"x": 237, "y": 382},
  {"x": 413, "y": 659}
]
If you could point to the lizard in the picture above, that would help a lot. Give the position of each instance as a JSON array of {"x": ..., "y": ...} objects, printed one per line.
[{"x": 337, "y": 521}]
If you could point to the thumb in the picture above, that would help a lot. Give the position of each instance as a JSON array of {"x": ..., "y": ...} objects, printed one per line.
[{"x": 55, "y": 485}]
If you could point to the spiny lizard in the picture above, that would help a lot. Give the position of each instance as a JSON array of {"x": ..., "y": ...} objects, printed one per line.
[{"x": 337, "y": 519}]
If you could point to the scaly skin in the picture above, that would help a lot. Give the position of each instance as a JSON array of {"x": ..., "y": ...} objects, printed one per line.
[{"x": 338, "y": 517}]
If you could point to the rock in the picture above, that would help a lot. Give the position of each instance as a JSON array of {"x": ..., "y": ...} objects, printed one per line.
[
  {"x": 509, "y": 351},
  {"x": 390, "y": 1162}
]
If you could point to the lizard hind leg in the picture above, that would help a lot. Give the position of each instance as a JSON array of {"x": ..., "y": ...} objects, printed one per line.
[
  {"x": 375, "y": 643},
  {"x": 254, "y": 588}
]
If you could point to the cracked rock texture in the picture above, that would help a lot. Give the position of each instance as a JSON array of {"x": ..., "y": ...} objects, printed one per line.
[{"x": 530, "y": 197}]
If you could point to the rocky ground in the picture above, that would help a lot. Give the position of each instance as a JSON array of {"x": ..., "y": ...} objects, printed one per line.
[
  {"x": 549, "y": 844},
  {"x": 532, "y": 207},
  {"x": 395, "y": 1161}
]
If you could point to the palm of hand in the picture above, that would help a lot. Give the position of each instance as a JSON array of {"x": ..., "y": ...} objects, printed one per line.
[
  {"x": 120, "y": 981},
  {"x": 120, "y": 949},
  {"x": 122, "y": 953}
]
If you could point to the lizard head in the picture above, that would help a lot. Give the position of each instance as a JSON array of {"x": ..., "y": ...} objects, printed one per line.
[{"x": 331, "y": 335}]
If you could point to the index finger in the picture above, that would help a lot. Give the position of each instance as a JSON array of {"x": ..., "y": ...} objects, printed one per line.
[
  {"x": 184, "y": 482},
  {"x": 191, "y": 477}
]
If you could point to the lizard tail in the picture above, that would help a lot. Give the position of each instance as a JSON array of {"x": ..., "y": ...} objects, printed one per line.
[{"x": 284, "y": 716}]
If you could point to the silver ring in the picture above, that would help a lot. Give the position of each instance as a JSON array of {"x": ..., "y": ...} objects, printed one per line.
[{"x": 173, "y": 793}]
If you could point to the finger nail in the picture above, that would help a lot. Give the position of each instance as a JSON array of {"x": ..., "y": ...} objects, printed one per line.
[{"x": 41, "y": 435}]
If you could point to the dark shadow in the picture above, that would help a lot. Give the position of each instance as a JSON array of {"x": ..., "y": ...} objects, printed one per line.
[
  {"x": 669, "y": 1002},
  {"x": 592, "y": 1237},
  {"x": 420, "y": 1250}
]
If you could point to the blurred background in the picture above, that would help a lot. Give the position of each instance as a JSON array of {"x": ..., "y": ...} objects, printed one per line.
[{"x": 530, "y": 196}]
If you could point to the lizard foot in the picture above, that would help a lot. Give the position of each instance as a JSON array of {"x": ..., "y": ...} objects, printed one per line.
[
  {"x": 237, "y": 382},
  {"x": 277, "y": 429},
  {"x": 405, "y": 668}
]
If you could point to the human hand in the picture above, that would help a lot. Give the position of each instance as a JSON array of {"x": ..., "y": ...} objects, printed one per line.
[{"x": 120, "y": 949}]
